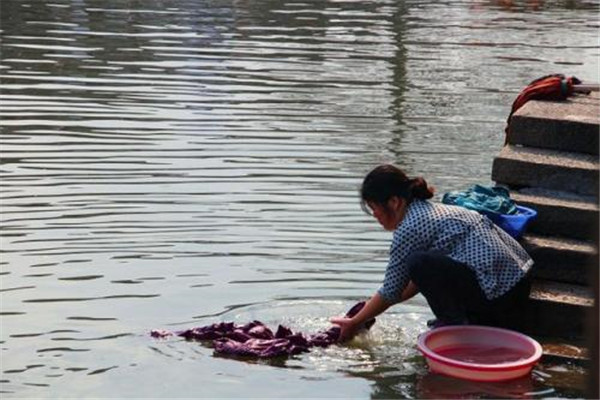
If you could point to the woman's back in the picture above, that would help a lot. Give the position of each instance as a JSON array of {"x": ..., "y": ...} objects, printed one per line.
[{"x": 465, "y": 236}]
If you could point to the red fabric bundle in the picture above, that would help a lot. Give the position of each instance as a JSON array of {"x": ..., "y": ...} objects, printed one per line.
[{"x": 550, "y": 87}]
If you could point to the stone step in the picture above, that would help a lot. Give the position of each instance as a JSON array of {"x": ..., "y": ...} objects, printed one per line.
[
  {"x": 560, "y": 259},
  {"x": 565, "y": 351},
  {"x": 558, "y": 309},
  {"x": 519, "y": 167},
  {"x": 570, "y": 125},
  {"x": 559, "y": 213}
]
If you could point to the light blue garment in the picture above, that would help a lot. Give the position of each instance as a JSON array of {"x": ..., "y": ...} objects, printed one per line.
[{"x": 484, "y": 199}]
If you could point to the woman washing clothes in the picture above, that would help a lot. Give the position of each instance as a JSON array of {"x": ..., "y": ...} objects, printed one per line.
[{"x": 469, "y": 270}]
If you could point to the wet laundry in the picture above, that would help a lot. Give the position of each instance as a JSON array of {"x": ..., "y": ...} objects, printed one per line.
[{"x": 255, "y": 339}]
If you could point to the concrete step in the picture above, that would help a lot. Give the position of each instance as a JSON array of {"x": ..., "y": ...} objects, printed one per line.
[
  {"x": 558, "y": 309},
  {"x": 520, "y": 167},
  {"x": 560, "y": 259},
  {"x": 562, "y": 351},
  {"x": 560, "y": 213},
  {"x": 570, "y": 125}
]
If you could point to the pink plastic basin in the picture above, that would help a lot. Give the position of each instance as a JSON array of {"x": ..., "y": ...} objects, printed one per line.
[{"x": 479, "y": 353}]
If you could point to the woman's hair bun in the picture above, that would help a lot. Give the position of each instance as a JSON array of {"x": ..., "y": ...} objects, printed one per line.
[{"x": 420, "y": 190}]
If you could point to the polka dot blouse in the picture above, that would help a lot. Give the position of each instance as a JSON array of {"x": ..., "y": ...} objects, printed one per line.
[{"x": 466, "y": 236}]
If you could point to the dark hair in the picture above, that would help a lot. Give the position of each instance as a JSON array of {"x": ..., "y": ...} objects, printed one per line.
[{"x": 387, "y": 181}]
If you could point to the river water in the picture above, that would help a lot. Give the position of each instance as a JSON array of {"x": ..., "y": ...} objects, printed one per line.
[{"x": 167, "y": 164}]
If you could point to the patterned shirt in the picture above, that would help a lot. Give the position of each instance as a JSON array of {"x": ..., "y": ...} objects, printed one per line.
[{"x": 466, "y": 236}]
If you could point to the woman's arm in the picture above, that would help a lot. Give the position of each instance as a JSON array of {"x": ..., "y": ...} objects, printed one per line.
[
  {"x": 409, "y": 291},
  {"x": 375, "y": 306}
]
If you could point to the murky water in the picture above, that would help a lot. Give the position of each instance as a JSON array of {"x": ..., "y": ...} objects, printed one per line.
[{"x": 172, "y": 164}]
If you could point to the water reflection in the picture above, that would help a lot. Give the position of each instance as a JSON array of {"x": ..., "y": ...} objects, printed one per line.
[
  {"x": 173, "y": 163},
  {"x": 435, "y": 386}
]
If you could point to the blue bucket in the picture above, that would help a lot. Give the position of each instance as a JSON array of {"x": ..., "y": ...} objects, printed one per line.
[{"x": 514, "y": 224}]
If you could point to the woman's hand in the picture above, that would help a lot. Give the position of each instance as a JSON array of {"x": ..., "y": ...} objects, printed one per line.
[{"x": 348, "y": 327}]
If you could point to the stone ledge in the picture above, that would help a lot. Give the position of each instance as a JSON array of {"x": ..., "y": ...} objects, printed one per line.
[
  {"x": 561, "y": 351},
  {"x": 560, "y": 259},
  {"x": 559, "y": 213},
  {"x": 575, "y": 295},
  {"x": 558, "y": 310},
  {"x": 570, "y": 125},
  {"x": 520, "y": 167}
]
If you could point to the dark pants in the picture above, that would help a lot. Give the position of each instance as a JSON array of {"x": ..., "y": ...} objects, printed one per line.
[{"x": 455, "y": 297}]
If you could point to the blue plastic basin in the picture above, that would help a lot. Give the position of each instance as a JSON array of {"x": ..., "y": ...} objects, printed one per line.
[{"x": 514, "y": 224}]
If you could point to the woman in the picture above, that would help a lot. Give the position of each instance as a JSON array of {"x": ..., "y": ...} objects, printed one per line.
[{"x": 469, "y": 270}]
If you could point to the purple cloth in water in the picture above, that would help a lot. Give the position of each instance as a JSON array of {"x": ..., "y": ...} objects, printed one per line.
[{"x": 256, "y": 340}]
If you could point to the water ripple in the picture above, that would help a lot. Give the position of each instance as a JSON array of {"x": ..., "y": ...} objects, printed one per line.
[{"x": 210, "y": 154}]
